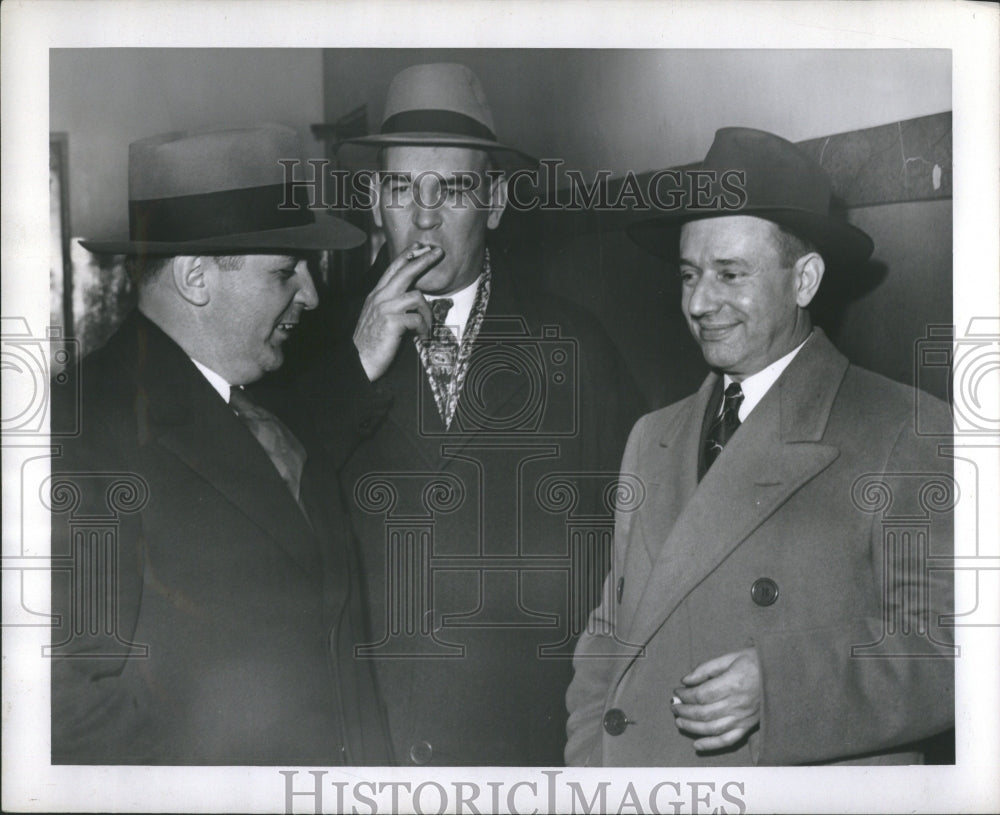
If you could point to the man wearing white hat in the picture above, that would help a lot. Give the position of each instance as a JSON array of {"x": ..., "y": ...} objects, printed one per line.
[
  {"x": 782, "y": 597},
  {"x": 499, "y": 393},
  {"x": 210, "y": 619}
]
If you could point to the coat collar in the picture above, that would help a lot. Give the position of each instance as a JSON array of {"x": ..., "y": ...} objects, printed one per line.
[
  {"x": 775, "y": 451},
  {"x": 177, "y": 409}
]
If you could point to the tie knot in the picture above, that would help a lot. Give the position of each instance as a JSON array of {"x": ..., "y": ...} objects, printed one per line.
[
  {"x": 241, "y": 402},
  {"x": 440, "y": 309},
  {"x": 733, "y": 396}
]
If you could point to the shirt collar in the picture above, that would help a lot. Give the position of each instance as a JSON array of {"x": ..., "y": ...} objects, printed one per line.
[
  {"x": 756, "y": 386},
  {"x": 215, "y": 380}
]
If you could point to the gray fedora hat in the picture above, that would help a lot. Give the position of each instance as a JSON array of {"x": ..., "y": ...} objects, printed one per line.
[
  {"x": 781, "y": 184},
  {"x": 440, "y": 104},
  {"x": 220, "y": 191}
]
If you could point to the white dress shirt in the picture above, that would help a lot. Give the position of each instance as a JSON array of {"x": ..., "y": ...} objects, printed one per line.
[
  {"x": 214, "y": 379},
  {"x": 756, "y": 386}
]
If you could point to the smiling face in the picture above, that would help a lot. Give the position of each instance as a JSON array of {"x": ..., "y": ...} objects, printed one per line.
[
  {"x": 250, "y": 312},
  {"x": 439, "y": 196},
  {"x": 743, "y": 305}
]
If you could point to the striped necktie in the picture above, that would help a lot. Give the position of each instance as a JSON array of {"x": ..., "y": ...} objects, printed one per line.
[{"x": 722, "y": 429}]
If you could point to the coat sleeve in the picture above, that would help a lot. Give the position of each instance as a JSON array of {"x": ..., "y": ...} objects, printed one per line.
[
  {"x": 875, "y": 682},
  {"x": 95, "y": 709},
  {"x": 600, "y": 648}
]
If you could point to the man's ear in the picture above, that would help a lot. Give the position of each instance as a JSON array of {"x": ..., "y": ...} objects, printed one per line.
[
  {"x": 189, "y": 275},
  {"x": 498, "y": 200},
  {"x": 809, "y": 271},
  {"x": 374, "y": 188}
]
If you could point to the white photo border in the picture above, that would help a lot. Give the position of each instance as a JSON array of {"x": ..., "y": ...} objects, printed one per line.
[{"x": 29, "y": 30}]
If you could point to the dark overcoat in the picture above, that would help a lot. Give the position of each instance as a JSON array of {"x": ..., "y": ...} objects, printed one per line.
[
  {"x": 202, "y": 619},
  {"x": 484, "y": 544}
]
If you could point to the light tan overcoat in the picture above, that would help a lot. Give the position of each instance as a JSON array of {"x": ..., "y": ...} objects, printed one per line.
[{"x": 827, "y": 491}]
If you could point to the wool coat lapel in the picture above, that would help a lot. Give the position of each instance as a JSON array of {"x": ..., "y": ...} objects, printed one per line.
[
  {"x": 776, "y": 450},
  {"x": 186, "y": 417}
]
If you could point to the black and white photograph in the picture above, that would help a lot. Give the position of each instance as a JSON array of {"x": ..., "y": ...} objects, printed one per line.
[{"x": 554, "y": 407}]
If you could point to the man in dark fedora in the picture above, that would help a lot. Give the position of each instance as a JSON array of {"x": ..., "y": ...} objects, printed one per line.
[
  {"x": 203, "y": 578},
  {"x": 780, "y": 597},
  {"x": 507, "y": 412}
]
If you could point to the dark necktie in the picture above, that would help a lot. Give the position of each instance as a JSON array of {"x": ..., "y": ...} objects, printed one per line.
[
  {"x": 285, "y": 451},
  {"x": 725, "y": 425}
]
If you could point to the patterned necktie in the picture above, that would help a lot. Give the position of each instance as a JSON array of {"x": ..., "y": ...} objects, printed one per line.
[
  {"x": 285, "y": 451},
  {"x": 725, "y": 425},
  {"x": 442, "y": 356},
  {"x": 439, "y": 313}
]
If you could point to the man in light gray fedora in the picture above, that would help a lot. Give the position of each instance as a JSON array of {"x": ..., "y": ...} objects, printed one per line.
[
  {"x": 501, "y": 398},
  {"x": 212, "y": 621}
]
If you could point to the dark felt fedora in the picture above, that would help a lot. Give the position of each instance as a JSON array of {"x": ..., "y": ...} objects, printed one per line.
[
  {"x": 779, "y": 183},
  {"x": 440, "y": 104},
  {"x": 221, "y": 191}
]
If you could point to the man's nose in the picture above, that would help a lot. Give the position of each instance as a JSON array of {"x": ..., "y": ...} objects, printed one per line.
[
  {"x": 703, "y": 297},
  {"x": 427, "y": 205},
  {"x": 306, "y": 295}
]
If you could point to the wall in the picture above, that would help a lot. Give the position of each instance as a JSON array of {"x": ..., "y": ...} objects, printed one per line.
[
  {"x": 643, "y": 109},
  {"x": 105, "y": 98}
]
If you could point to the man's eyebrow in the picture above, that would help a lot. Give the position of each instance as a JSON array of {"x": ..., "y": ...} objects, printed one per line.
[
  {"x": 394, "y": 177},
  {"x": 725, "y": 262}
]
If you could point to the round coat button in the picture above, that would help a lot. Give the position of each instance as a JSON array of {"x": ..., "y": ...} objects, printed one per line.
[
  {"x": 615, "y": 722},
  {"x": 421, "y": 752},
  {"x": 764, "y": 591}
]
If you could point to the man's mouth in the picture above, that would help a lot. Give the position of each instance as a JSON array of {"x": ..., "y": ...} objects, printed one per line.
[{"x": 710, "y": 332}]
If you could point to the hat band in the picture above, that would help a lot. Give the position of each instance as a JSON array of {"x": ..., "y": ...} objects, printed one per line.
[
  {"x": 211, "y": 214},
  {"x": 436, "y": 121}
]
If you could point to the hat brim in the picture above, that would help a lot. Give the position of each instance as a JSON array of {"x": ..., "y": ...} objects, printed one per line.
[
  {"x": 330, "y": 233},
  {"x": 509, "y": 157},
  {"x": 839, "y": 242}
]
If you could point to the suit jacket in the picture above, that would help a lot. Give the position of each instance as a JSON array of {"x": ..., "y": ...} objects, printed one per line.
[
  {"x": 813, "y": 537},
  {"x": 202, "y": 618},
  {"x": 484, "y": 545}
]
